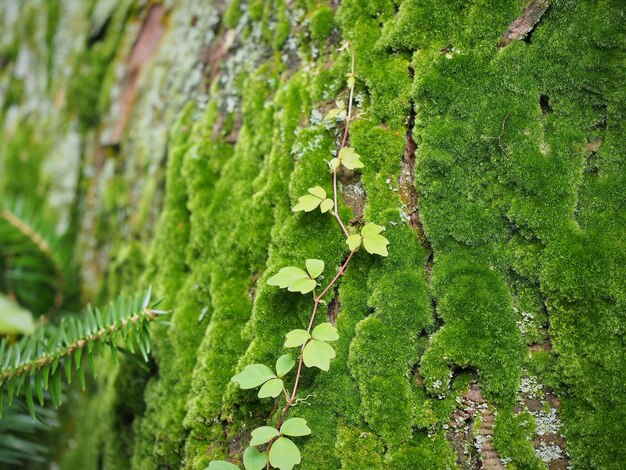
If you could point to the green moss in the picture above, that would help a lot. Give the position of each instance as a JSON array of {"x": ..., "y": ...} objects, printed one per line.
[
  {"x": 233, "y": 13},
  {"x": 513, "y": 437},
  {"x": 359, "y": 449},
  {"x": 321, "y": 23},
  {"x": 519, "y": 174},
  {"x": 86, "y": 94},
  {"x": 22, "y": 160}
]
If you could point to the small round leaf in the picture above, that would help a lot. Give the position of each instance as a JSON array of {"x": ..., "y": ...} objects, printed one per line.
[
  {"x": 327, "y": 205},
  {"x": 284, "y": 364},
  {"x": 287, "y": 276},
  {"x": 306, "y": 203},
  {"x": 373, "y": 242},
  {"x": 271, "y": 388},
  {"x": 253, "y": 376},
  {"x": 296, "y": 338},
  {"x": 304, "y": 286},
  {"x": 254, "y": 460},
  {"x": 222, "y": 465},
  {"x": 263, "y": 435},
  {"x": 295, "y": 427},
  {"x": 284, "y": 454},
  {"x": 318, "y": 191},
  {"x": 350, "y": 159},
  {"x": 354, "y": 241},
  {"x": 314, "y": 267},
  {"x": 318, "y": 354},
  {"x": 325, "y": 332}
]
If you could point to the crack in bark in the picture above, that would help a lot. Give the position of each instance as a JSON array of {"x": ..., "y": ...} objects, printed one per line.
[
  {"x": 525, "y": 24},
  {"x": 407, "y": 190}
]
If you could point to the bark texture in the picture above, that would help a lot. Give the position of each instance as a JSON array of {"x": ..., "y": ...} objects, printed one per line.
[{"x": 172, "y": 138}]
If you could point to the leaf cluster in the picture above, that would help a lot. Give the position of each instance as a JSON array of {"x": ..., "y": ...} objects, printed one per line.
[{"x": 296, "y": 279}]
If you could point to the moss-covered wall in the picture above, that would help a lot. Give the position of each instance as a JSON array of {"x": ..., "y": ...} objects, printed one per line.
[{"x": 171, "y": 139}]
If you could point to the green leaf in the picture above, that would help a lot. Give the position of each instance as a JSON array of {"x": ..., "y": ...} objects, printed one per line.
[
  {"x": 304, "y": 286},
  {"x": 318, "y": 354},
  {"x": 14, "y": 319},
  {"x": 295, "y": 427},
  {"x": 314, "y": 267},
  {"x": 29, "y": 398},
  {"x": 372, "y": 241},
  {"x": 254, "y": 460},
  {"x": 284, "y": 364},
  {"x": 263, "y": 435},
  {"x": 354, "y": 241},
  {"x": 221, "y": 465},
  {"x": 350, "y": 80},
  {"x": 306, "y": 203},
  {"x": 284, "y": 454},
  {"x": 287, "y": 276},
  {"x": 334, "y": 164},
  {"x": 333, "y": 113},
  {"x": 296, "y": 338},
  {"x": 253, "y": 376},
  {"x": 327, "y": 205},
  {"x": 350, "y": 159},
  {"x": 271, "y": 388},
  {"x": 318, "y": 191},
  {"x": 325, "y": 332}
]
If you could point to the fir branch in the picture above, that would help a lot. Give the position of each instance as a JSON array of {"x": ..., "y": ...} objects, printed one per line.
[
  {"x": 32, "y": 250},
  {"x": 32, "y": 365}
]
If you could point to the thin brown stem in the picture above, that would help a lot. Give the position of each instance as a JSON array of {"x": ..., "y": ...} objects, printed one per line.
[{"x": 318, "y": 298}]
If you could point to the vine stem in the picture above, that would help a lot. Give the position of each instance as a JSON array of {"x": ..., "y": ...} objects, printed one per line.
[
  {"x": 343, "y": 144},
  {"x": 317, "y": 298}
]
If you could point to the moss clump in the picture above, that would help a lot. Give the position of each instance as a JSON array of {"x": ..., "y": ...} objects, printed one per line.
[{"x": 321, "y": 23}]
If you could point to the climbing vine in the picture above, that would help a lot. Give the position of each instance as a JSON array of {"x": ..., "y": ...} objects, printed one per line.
[{"x": 278, "y": 450}]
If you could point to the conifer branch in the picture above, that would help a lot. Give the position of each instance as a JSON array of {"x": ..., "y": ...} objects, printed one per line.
[{"x": 32, "y": 365}]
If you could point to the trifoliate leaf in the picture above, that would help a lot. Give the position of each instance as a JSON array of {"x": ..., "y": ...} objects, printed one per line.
[
  {"x": 325, "y": 332},
  {"x": 314, "y": 267},
  {"x": 287, "y": 276},
  {"x": 222, "y": 465},
  {"x": 303, "y": 286},
  {"x": 307, "y": 203},
  {"x": 334, "y": 164},
  {"x": 263, "y": 435},
  {"x": 318, "y": 191},
  {"x": 372, "y": 241},
  {"x": 284, "y": 454},
  {"x": 284, "y": 364},
  {"x": 253, "y": 376},
  {"x": 295, "y": 427},
  {"x": 254, "y": 460},
  {"x": 332, "y": 114},
  {"x": 271, "y": 388},
  {"x": 350, "y": 159},
  {"x": 354, "y": 241},
  {"x": 296, "y": 338},
  {"x": 327, "y": 205},
  {"x": 318, "y": 354},
  {"x": 351, "y": 80}
]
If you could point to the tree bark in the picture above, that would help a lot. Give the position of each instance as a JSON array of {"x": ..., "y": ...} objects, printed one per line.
[{"x": 171, "y": 139}]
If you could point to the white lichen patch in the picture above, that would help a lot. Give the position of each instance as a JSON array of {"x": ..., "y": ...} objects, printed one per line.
[
  {"x": 548, "y": 452},
  {"x": 531, "y": 388},
  {"x": 547, "y": 422}
]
